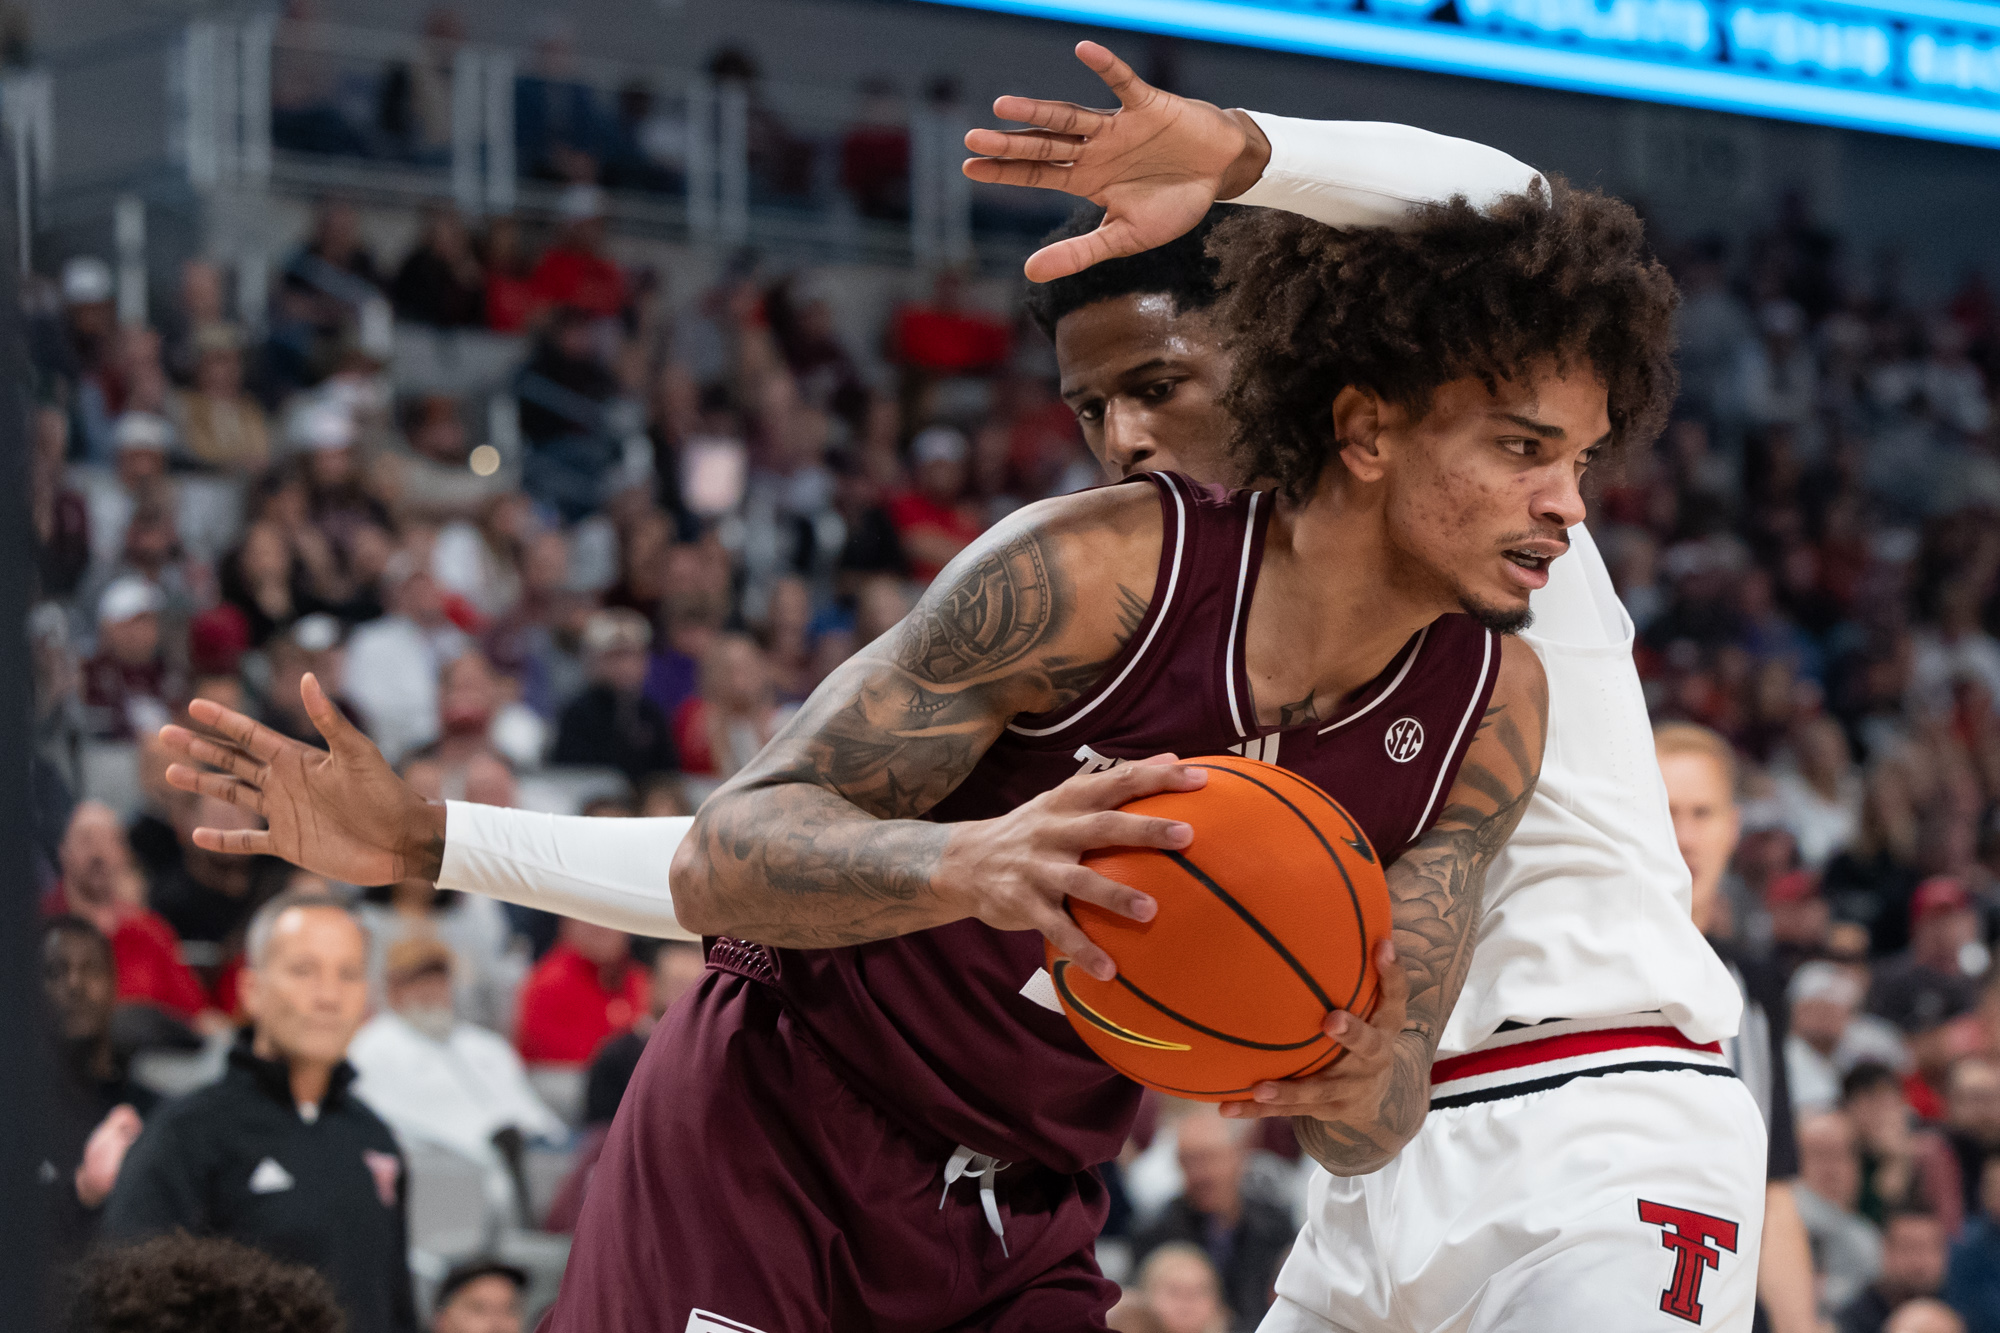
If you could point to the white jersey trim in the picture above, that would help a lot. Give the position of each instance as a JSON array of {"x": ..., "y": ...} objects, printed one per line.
[
  {"x": 1236, "y": 616},
  {"x": 1471, "y": 707},
  {"x": 1392, "y": 687},
  {"x": 1159, "y": 619}
]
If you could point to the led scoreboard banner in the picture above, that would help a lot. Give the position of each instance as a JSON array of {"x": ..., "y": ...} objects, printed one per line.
[{"x": 1929, "y": 68}]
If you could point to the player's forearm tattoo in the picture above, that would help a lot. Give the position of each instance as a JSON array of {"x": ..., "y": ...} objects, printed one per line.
[
  {"x": 817, "y": 844},
  {"x": 1435, "y": 888}
]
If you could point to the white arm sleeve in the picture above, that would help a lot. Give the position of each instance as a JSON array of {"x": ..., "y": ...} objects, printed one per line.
[
  {"x": 1364, "y": 173},
  {"x": 610, "y": 872}
]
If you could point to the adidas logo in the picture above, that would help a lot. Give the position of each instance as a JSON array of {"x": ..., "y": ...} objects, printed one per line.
[{"x": 270, "y": 1178}]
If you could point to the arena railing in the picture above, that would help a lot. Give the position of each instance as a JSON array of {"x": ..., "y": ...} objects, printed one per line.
[{"x": 801, "y": 169}]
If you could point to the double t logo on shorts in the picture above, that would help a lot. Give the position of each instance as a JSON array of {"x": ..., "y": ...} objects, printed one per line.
[{"x": 1694, "y": 1238}]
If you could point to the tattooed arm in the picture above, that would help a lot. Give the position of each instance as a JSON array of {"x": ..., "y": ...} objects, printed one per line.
[
  {"x": 1359, "y": 1114},
  {"x": 817, "y": 843}
]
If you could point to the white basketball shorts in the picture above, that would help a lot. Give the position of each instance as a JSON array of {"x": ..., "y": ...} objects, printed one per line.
[{"x": 1603, "y": 1175}]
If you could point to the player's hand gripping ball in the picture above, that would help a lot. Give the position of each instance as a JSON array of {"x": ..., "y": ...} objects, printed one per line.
[{"x": 1267, "y": 922}]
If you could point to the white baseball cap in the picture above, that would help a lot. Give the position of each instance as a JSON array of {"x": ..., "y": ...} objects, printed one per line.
[
  {"x": 127, "y": 597},
  {"x": 86, "y": 280},
  {"x": 939, "y": 444},
  {"x": 322, "y": 426},
  {"x": 142, "y": 430}
]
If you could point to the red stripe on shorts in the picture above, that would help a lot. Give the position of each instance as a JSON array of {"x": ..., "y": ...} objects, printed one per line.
[{"x": 1564, "y": 1048}]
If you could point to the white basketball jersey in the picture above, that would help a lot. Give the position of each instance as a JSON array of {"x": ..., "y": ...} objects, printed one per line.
[{"x": 1586, "y": 908}]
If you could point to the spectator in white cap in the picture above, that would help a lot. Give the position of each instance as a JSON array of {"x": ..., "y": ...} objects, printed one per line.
[
  {"x": 127, "y": 685},
  {"x": 143, "y": 441},
  {"x": 393, "y": 662},
  {"x": 933, "y": 520},
  {"x": 325, "y": 433},
  {"x": 1829, "y": 1035},
  {"x": 575, "y": 271},
  {"x": 90, "y": 324},
  {"x": 613, "y": 723},
  {"x": 139, "y": 444}
]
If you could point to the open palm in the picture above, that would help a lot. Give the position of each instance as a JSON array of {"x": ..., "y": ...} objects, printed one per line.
[
  {"x": 1154, "y": 165},
  {"x": 340, "y": 812}
]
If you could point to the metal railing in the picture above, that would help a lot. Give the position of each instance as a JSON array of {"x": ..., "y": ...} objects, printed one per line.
[{"x": 265, "y": 103}]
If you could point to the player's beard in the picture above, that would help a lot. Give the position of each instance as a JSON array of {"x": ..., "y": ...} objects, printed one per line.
[
  {"x": 1499, "y": 619},
  {"x": 1417, "y": 570}
]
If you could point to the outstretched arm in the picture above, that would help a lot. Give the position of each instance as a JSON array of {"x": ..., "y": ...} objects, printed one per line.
[
  {"x": 1157, "y": 162},
  {"x": 818, "y": 842},
  {"x": 1359, "y": 1114},
  {"x": 343, "y": 812}
]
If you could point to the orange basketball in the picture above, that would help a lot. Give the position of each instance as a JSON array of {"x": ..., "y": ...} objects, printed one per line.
[{"x": 1267, "y": 922}]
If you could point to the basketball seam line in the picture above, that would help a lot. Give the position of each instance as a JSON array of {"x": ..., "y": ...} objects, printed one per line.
[
  {"x": 1207, "y": 1031},
  {"x": 1353, "y": 898},
  {"x": 1312, "y": 1066},
  {"x": 1263, "y": 932}
]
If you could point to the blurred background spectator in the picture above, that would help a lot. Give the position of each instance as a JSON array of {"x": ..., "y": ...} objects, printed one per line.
[
  {"x": 440, "y": 1080},
  {"x": 1244, "y": 1240}
]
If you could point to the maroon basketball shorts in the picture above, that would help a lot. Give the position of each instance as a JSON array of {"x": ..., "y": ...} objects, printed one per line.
[{"x": 746, "y": 1188}]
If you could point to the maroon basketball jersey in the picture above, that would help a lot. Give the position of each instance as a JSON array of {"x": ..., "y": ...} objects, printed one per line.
[{"x": 947, "y": 1030}]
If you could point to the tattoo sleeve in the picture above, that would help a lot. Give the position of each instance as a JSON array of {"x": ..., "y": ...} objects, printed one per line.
[
  {"x": 1435, "y": 888},
  {"x": 817, "y": 842}
]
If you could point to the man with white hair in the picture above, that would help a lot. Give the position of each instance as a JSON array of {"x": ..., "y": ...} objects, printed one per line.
[
  {"x": 1924, "y": 1316},
  {"x": 440, "y": 1080},
  {"x": 279, "y": 1154}
]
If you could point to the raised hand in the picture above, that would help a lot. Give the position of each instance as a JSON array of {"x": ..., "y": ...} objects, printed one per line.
[
  {"x": 1154, "y": 165},
  {"x": 341, "y": 812}
]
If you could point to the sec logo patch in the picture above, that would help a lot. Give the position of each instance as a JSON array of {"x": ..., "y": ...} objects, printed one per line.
[{"x": 1404, "y": 739}]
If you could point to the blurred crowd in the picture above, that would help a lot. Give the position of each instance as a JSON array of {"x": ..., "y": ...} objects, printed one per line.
[{"x": 600, "y": 587}]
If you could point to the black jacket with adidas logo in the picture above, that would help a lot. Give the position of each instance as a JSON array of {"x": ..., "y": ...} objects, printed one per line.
[{"x": 237, "y": 1159}]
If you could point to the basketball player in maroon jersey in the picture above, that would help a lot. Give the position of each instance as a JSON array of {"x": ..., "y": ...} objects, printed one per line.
[{"x": 895, "y": 851}]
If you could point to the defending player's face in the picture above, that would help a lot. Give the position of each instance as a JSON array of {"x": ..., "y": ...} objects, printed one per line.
[
  {"x": 1479, "y": 492},
  {"x": 1145, "y": 383}
]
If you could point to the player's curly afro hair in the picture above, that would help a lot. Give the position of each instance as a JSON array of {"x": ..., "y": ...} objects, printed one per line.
[
  {"x": 1182, "y": 268},
  {"x": 1553, "y": 274},
  {"x": 179, "y": 1283}
]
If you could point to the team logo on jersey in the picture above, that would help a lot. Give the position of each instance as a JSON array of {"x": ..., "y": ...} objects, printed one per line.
[
  {"x": 1093, "y": 762},
  {"x": 387, "y": 1169},
  {"x": 1403, "y": 739},
  {"x": 1697, "y": 1241}
]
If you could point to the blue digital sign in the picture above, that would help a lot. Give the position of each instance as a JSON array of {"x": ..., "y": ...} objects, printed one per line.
[{"x": 1929, "y": 68}]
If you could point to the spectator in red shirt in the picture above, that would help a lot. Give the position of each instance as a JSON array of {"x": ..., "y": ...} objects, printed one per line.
[
  {"x": 944, "y": 338},
  {"x": 101, "y": 885},
  {"x": 933, "y": 521},
  {"x": 575, "y": 271},
  {"x": 586, "y": 989},
  {"x": 510, "y": 298}
]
